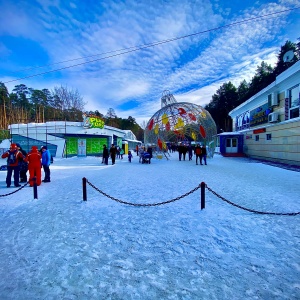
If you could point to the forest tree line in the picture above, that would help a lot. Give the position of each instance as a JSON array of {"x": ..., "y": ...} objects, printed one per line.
[{"x": 24, "y": 104}]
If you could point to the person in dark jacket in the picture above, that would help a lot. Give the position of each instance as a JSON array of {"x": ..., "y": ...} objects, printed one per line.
[
  {"x": 13, "y": 156},
  {"x": 113, "y": 152},
  {"x": 46, "y": 161},
  {"x": 190, "y": 149},
  {"x": 184, "y": 151},
  {"x": 150, "y": 151},
  {"x": 23, "y": 164},
  {"x": 105, "y": 155},
  {"x": 203, "y": 154},
  {"x": 180, "y": 150},
  {"x": 129, "y": 156}
]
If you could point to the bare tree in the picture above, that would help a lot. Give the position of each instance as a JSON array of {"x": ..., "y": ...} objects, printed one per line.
[
  {"x": 143, "y": 125},
  {"x": 68, "y": 102},
  {"x": 111, "y": 113}
]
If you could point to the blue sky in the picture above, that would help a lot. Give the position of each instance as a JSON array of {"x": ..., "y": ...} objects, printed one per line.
[{"x": 57, "y": 34}]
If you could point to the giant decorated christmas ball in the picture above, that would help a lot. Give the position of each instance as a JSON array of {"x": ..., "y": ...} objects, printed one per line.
[{"x": 181, "y": 122}]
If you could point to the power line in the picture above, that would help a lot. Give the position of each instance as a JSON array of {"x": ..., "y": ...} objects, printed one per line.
[{"x": 145, "y": 46}]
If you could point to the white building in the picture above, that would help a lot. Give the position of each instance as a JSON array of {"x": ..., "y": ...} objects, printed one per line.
[
  {"x": 269, "y": 121},
  {"x": 65, "y": 139}
]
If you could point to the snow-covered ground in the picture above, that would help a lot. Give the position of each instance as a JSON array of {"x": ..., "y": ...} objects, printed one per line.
[{"x": 60, "y": 247}]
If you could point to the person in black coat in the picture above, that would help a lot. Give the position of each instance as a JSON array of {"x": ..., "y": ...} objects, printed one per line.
[
  {"x": 23, "y": 164},
  {"x": 150, "y": 151},
  {"x": 113, "y": 152},
  {"x": 105, "y": 155},
  {"x": 190, "y": 149},
  {"x": 180, "y": 150},
  {"x": 203, "y": 154},
  {"x": 184, "y": 151}
]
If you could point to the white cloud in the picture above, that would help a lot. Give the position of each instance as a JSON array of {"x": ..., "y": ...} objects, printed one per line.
[{"x": 198, "y": 64}]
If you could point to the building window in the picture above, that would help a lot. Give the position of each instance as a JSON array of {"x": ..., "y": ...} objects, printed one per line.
[
  {"x": 294, "y": 102},
  {"x": 257, "y": 137},
  {"x": 269, "y": 136}
]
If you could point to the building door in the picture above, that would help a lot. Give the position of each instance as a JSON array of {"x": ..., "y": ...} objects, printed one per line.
[
  {"x": 231, "y": 145},
  {"x": 81, "y": 151}
]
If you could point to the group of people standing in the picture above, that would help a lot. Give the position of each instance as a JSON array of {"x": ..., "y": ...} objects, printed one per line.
[
  {"x": 199, "y": 151},
  {"x": 118, "y": 152},
  {"x": 19, "y": 162},
  {"x": 112, "y": 153}
]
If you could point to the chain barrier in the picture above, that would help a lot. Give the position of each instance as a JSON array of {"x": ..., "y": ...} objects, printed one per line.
[
  {"x": 15, "y": 190},
  {"x": 251, "y": 210},
  {"x": 186, "y": 194},
  {"x": 142, "y": 204}
]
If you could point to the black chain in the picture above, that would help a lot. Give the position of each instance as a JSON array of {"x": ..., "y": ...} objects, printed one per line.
[
  {"x": 15, "y": 190},
  {"x": 142, "y": 204},
  {"x": 251, "y": 210}
]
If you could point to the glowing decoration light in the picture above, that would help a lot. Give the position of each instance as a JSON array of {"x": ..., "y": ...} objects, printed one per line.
[
  {"x": 150, "y": 125},
  {"x": 164, "y": 119},
  {"x": 192, "y": 117},
  {"x": 179, "y": 123},
  {"x": 202, "y": 131},
  {"x": 181, "y": 111},
  {"x": 194, "y": 136},
  {"x": 159, "y": 143},
  {"x": 168, "y": 127}
]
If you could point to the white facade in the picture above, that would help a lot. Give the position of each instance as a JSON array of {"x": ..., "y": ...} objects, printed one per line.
[
  {"x": 270, "y": 120},
  {"x": 55, "y": 135}
]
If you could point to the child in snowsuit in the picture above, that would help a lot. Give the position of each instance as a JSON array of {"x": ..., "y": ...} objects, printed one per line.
[
  {"x": 121, "y": 153},
  {"x": 34, "y": 166},
  {"x": 129, "y": 156}
]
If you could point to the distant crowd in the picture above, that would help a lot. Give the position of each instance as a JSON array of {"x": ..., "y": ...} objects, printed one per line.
[{"x": 186, "y": 151}]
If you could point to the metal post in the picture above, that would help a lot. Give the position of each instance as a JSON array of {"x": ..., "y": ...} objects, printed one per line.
[
  {"x": 35, "y": 195},
  {"x": 202, "y": 195},
  {"x": 84, "y": 189}
]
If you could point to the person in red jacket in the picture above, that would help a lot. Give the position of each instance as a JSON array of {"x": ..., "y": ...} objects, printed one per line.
[
  {"x": 34, "y": 165},
  {"x": 13, "y": 156},
  {"x": 197, "y": 152}
]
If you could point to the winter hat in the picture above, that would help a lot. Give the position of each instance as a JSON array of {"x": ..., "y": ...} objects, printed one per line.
[
  {"x": 18, "y": 145},
  {"x": 44, "y": 147},
  {"x": 13, "y": 146},
  {"x": 34, "y": 148}
]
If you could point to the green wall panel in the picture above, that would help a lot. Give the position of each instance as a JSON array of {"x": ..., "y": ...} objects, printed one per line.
[{"x": 94, "y": 146}]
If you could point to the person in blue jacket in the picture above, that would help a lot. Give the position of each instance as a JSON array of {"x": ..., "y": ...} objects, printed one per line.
[{"x": 46, "y": 161}]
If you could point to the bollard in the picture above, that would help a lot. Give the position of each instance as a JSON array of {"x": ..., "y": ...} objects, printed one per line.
[
  {"x": 202, "y": 195},
  {"x": 84, "y": 189},
  {"x": 35, "y": 196}
]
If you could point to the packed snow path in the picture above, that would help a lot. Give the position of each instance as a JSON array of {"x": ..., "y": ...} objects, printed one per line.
[{"x": 59, "y": 247}]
